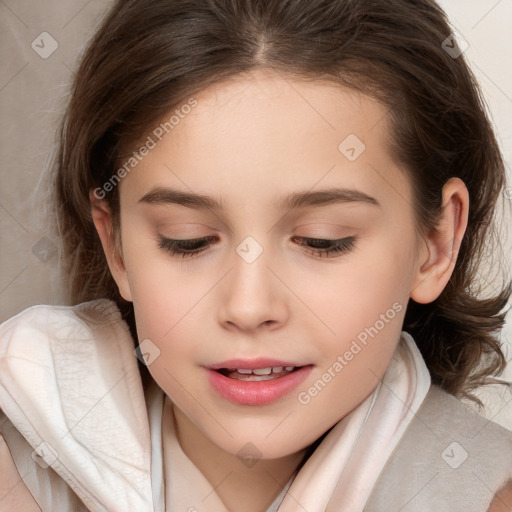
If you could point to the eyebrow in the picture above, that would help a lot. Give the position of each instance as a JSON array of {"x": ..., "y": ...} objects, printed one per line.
[
  {"x": 164, "y": 196},
  {"x": 325, "y": 197}
]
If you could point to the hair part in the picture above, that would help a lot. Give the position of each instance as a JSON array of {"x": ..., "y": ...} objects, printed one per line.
[{"x": 149, "y": 56}]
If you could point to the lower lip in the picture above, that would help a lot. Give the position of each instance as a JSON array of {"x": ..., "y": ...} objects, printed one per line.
[{"x": 260, "y": 392}]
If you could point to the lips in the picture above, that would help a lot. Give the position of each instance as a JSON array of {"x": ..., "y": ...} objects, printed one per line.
[{"x": 256, "y": 382}]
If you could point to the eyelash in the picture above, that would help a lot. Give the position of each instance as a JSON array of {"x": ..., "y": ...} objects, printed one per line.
[{"x": 194, "y": 246}]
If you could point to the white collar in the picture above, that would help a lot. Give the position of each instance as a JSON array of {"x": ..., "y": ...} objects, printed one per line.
[{"x": 70, "y": 384}]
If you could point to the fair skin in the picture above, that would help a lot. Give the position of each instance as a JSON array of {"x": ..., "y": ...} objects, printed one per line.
[{"x": 250, "y": 142}]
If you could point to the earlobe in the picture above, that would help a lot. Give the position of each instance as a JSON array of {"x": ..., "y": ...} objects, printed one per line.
[
  {"x": 442, "y": 244},
  {"x": 103, "y": 222}
]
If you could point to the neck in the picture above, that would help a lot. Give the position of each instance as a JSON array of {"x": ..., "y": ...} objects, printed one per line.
[{"x": 236, "y": 480}]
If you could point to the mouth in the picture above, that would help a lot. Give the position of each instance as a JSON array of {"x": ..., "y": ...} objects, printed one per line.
[
  {"x": 258, "y": 374},
  {"x": 258, "y": 382}
]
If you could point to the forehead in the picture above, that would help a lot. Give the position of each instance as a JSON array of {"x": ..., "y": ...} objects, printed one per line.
[
  {"x": 270, "y": 128},
  {"x": 263, "y": 102}
]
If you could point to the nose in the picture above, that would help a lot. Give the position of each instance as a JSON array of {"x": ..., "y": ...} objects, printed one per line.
[{"x": 252, "y": 298}]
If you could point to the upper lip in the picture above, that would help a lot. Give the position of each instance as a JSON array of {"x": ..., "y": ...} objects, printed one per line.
[{"x": 251, "y": 364}]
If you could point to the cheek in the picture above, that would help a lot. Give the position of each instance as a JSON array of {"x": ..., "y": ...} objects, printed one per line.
[
  {"x": 167, "y": 324},
  {"x": 354, "y": 295},
  {"x": 159, "y": 297},
  {"x": 168, "y": 306},
  {"x": 362, "y": 306},
  {"x": 365, "y": 313}
]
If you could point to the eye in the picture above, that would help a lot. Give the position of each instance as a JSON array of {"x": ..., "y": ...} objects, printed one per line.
[
  {"x": 323, "y": 248},
  {"x": 185, "y": 248},
  {"x": 319, "y": 247}
]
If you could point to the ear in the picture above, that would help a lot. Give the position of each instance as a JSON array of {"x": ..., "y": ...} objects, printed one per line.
[
  {"x": 102, "y": 219},
  {"x": 442, "y": 244}
]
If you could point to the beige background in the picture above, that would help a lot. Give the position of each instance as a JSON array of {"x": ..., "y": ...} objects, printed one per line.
[{"x": 33, "y": 91}]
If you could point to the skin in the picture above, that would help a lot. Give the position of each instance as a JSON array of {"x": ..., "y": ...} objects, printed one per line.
[
  {"x": 14, "y": 494},
  {"x": 502, "y": 501},
  {"x": 249, "y": 142}
]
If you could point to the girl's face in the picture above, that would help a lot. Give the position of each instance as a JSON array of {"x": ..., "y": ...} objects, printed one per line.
[{"x": 269, "y": 248}]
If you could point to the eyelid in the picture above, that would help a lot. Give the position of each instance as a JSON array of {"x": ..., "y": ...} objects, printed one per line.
[
  {"x": 339, "y": 246},
  {"x": 179, "y": 246},
  {"x": 329, "y": 247}
]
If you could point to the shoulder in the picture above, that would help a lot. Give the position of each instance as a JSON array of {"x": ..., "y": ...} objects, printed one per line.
[
  {"x": 447, "y": 415},
  {"x": 449, "y": 455}
]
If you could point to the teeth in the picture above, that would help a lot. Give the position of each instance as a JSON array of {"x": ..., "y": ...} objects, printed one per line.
[
  {"x": 262, "y": 371},
  {"x": 266, "y": 371}
]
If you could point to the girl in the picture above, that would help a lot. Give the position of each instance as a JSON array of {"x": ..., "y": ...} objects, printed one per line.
[{"x": 284, "y": 202}]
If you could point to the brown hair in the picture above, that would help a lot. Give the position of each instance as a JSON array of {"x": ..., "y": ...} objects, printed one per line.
[{"x": 148, "y": 56}]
